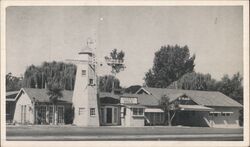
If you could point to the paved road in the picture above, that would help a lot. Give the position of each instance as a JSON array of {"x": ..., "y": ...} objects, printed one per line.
[{"x": 121, "y": 133}]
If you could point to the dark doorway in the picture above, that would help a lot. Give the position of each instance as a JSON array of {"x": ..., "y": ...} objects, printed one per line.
[{"x": 109, "y": 115}]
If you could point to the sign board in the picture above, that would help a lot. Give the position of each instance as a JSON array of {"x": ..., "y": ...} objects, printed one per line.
[{"x": 129, "y": 100}]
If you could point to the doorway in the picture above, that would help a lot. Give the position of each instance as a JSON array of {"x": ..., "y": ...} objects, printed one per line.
[{"x": 109, "y": 115}]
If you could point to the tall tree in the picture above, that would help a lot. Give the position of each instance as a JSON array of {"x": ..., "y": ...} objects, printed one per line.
[
  {"x": 13, "y": 83},
  {"x": 38, "y": 76},
  {"x": 167, "y": 107},
  {"x": 170, "y": 63},
  {"x": 116, "y": 61},
  {"x": 105, "y": 83},
  {"x": 54, "y": 92},
  {"x": 195, "y": 81},
  {"x": 232, "y": 87}
]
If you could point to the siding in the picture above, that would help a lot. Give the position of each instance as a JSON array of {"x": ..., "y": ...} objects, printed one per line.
[
  {"x": 24, "y": 100},
  {"x": 224, "y": 121}
]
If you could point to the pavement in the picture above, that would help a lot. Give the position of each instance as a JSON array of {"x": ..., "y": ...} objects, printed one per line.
[{"x": 70, "y": 133}]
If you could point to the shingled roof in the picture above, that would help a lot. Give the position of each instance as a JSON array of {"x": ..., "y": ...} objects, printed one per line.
[
  {"x": 40, "y": 95},
  {"x": 206, "y": 98}
]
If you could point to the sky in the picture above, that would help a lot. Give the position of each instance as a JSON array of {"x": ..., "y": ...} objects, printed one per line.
[{"x": 213, "y": 33}]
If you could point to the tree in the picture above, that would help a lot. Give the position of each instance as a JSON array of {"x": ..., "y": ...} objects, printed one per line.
[
  {"x": 54, "y": 92},
  {"x": 105, "y": 83},
  {"x": 167, "y": 107},
  {"x": 232, "y": 87},
  {"x": 13, "y": 83},
  {"x": 195, "y": 81},
  {"x": 170, "y": 63},
  {"x": 39, "y": 76},
  {"x": 116, "y": 62}
]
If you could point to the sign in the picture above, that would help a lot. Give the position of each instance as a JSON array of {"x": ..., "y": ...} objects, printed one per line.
[{"x": 129, "y": 100}]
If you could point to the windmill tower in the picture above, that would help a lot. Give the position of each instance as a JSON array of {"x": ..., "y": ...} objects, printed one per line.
[{"x": 84, "y": 99}]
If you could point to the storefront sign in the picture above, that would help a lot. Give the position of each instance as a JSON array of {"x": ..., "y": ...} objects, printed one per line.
[{"x": 128, "y": 100}]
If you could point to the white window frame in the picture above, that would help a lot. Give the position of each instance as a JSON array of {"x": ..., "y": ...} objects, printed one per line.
[
  {"x": 60, "y": 106},
  {"x": 91, "y": 112},
  {"x": 81, "y": 110},
  {"x": 136, "y": 111}
]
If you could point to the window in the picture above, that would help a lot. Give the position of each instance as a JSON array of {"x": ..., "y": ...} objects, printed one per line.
[
  {"x": 92, "y": 111},
  {"x": 91, "y": 81},
  {"x": 81, "y": 110},
  {"x": 60, "y": 114},
  {"x": 115, "y": 115},
  {"x": 42, "y": 114},
  {"x": 83, "y": 72},
  {"x": 223, "y": 114},
  {"x": 102, "y": 114},
  {"x": 50, "y": 114},
  {"x": 138, "y": 111}
]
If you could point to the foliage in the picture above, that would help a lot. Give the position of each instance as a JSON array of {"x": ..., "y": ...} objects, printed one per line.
[
  {"x": 195, "y": 81},
  {"x": 167, "y": 106},
  {"x": 13, "y": 83},
  {"x": 116, "y": 60},
  {"x": 54, "y": 91},
  {"x": 170, "y": 63},
  {"x": 105, "y": 83},
  {"x": 38, "y": 76},
  {"x": 232, "y": 87}
]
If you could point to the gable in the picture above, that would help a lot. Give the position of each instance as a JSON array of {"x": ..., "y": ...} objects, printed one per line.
[{"x": 142, "y": 91}]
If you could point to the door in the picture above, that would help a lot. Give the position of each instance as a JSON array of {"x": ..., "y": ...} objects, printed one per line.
[{"x": 109, "y": 115}]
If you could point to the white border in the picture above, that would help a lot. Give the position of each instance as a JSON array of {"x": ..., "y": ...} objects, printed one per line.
[{"x": 245, "y": 5}]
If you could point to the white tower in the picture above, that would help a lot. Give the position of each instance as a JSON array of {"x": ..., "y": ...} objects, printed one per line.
[{"x": 84, "y": 99}]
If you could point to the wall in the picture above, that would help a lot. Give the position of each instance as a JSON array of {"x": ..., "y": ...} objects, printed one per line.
[
  {"x": 10, "y": 111},
  {"x": 224, "y": 121},
  {"x": 133, "y": 121},
  {"x": 24, "y": 100}
]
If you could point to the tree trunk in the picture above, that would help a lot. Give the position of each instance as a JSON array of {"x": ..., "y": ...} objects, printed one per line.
[
  {"x": 53, "y": 118},
  {"x": 56, "y": 116},
  {"x": 169, "y": 120},
  {"x": 113, "y": 86}
]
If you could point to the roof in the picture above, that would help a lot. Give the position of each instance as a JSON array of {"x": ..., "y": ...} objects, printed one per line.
[
  {"x": 41, "y": 95},
  {"x": 207, "y": 98},
  {"x": 147, "y": 100},
  {"x": 11, "y": 94}
]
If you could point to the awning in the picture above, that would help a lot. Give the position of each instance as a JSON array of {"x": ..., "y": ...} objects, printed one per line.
[
  {"x": 153, "y": 110},
  {"x": 228, "y": 112},
  {"x": 194, "y": 108},
  {"x": 134, "y": 106},
  {"x": 215, "y": 112}
]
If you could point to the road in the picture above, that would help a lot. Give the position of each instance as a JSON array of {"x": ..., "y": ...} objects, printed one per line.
[{"x": 68, "y": 133}]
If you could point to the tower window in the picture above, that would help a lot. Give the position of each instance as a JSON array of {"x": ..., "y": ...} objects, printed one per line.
[
  {"x": 92, "y": 111},
  {"x": 83, "y": 72},
  {"x": 81, "y": 111},
  {"x": 91, "y": 81}
]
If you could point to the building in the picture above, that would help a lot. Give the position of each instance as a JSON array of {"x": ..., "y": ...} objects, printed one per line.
[
  {"x": 194, "y": 108},
  {"x": 33, "y": 106},
  {"x": 199, "y": 108},
  {"x": 10, "y": 105}
]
